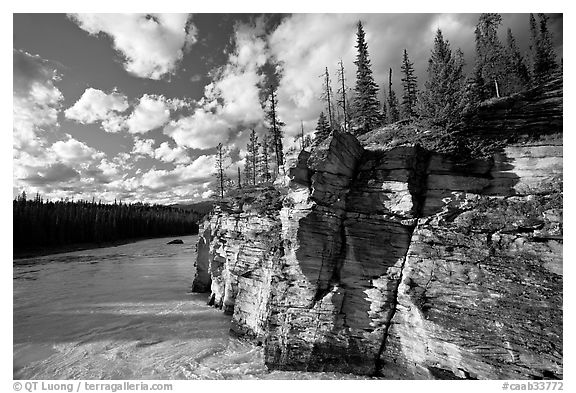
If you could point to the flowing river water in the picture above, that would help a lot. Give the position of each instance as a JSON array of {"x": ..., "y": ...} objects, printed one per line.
[{"x": 126, "y": 312}]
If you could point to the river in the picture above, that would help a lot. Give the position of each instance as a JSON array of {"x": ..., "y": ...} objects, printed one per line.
[{"x": 126, "y": 312}]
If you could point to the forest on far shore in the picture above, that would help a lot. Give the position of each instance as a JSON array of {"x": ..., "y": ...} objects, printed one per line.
[{"x": 39, "y": 224}]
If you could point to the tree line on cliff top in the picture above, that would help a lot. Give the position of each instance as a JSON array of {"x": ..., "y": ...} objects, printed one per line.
[{"x": 499, "y": 70}]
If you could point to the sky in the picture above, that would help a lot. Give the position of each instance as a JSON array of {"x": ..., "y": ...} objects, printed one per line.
[{"x": 131, "y": 106}]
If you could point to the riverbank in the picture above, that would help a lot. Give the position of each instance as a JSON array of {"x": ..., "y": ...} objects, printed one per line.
[{"x": 44, "y": 251}]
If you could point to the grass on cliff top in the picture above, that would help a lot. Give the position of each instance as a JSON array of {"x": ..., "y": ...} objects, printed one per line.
[
  {"x": 452, "y": 142},
  {"x": 409, "y": 132},
  {"x": 261, "y": 198}
]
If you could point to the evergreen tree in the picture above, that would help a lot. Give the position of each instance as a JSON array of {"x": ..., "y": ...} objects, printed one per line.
[
  {"x": 544, "y": 57},
  {"x": 322, "y": 129},
  {"x": 38, "y": 224},
  {"x": 366, "y": 103},
  {"x": 471, "y": 95},
  {"x": 220, "y": 175},
  {"x": 328, "y": 96},
  {"x": 441, "y": 100},
  {"x": 490, "y": 56},
  {"x": 264, "y": 161},
  {"x": 393, "y": 113},
  {"x": 239, "y": 179},
  {"x": 276, "y": 132},
  {"x": 384, "y": 111},
  {"x": 239, "y": 184},
  {"x": 517, "y": 74},
  {"x": 251, "y": 164},
  {"x": 533, "y": 45},
  {"x": 300, "y": 137},
  {"x": 342, "y": 92},
  {"x": 409, "y": 86}
]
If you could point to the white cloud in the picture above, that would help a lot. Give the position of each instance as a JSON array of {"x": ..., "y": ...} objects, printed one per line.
[
  {"x": 151, "y": 44},
  {"x": 206, "y": 194},
  {"x": 231, "y": 101},
  {"x": 177, "y": 155},
  {"x": 73, "y": 151},
  {"x": 36, "y": 101},
  {"x": 143, "y": 146},
  {"x": 202, "y": 130},
  {"x": 114, "y": 123},
  {"x": 108, "y": 168},
  {"x": 195, "y": 173},
  {"x": 150, "y": 113},
  {"x": 34, "y": 114},
  {"x": 95, "y": 105}
]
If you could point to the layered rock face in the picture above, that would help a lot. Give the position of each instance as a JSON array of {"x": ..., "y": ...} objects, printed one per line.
[
  {"x": 403, "y": 263},
  {"x": 535, "y": 111},
  {"x": 481, "y": 290},
  {"x": 399, "y": 263},
  {"x": 239, "y": 250}
]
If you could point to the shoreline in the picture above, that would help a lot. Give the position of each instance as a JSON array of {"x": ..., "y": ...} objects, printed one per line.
[{"x": 45, "y": 251}]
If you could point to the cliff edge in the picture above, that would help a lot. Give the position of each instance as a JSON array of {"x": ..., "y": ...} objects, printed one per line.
[{"x": 398, "y": 262}]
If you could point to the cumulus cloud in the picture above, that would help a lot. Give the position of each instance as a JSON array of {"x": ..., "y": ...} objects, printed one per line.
[
  {"x": 177, "y": 155},
  {"x": 231, "y": 101},
  {"x": 197, "y": 172},
  {"x": 202, "y": 130},
  {"x": 51, "y": 174},
  {"x": 95, "y": 105},
  {"x": 143, "y": 147},
  {"x": 68, "y": 165},
  {"x": 151, "y": 44},
  {"x": 151, "y": 112},
  {"x": 36, "y": 100},
  {"x": 148, "y": 112},
  {"x": 75, "y": 152}
]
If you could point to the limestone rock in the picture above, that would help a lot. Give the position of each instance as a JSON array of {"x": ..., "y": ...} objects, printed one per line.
[
  {"x": 400, "y": 263},
  {"x": 481, "y": 294}
]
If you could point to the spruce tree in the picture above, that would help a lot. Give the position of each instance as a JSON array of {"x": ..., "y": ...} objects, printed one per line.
[
  {"x": 490, "y": 55},
  {"x": 322, "y": 129},
  {"x": 384, "y": 110},
  {"x": 276, "y": 132},
  {"x": 409, "y": 86},
  {"x": 220, "y": 175},
  {"x": 239, "y": 179},
  {"x": 264, "y": 161},
  {"x": 366, "y": 103},
  {"x": 342, "y": 102},
  {"x": 517, "y": 74},
  {"x": 546, "y": 57},
  {"x": 251, "y": 164},
  {"x": 393, "y": 112},
  {"x": 533, "y": 45},
  {"x": 441, "y": 100},
  {"x": 328, "y": 96}
]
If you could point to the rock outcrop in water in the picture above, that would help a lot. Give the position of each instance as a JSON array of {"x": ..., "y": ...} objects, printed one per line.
[{"x": 400, "y": 263}]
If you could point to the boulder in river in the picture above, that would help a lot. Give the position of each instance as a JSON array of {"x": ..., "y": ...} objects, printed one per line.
[{"x": 176, "y": 241}]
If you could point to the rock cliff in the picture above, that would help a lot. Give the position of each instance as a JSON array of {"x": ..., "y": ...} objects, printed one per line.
[{"x": 400, "y": 263}]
